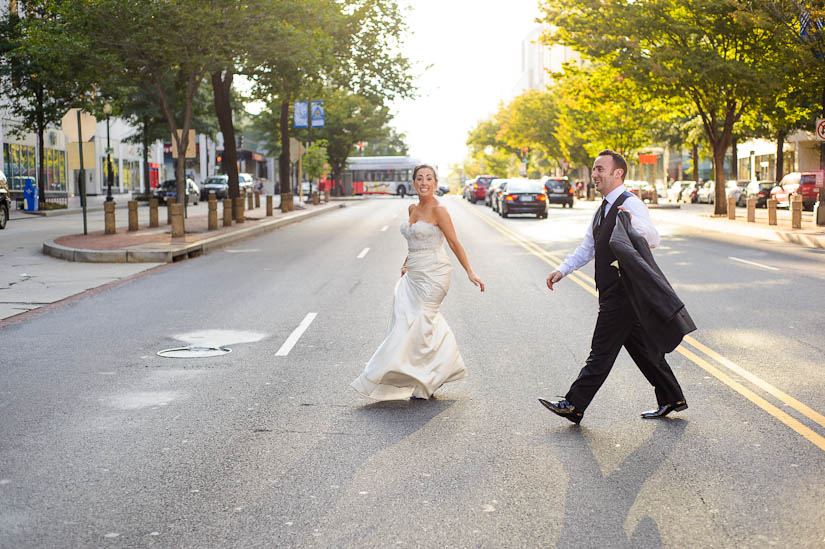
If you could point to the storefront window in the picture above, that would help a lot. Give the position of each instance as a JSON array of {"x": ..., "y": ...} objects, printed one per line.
[
  {"x": 55, "y": 169},
  {"x": 131, "y": 175},
  {"x": 104, "y": 181},
  {"x": 19, "y": 165}
]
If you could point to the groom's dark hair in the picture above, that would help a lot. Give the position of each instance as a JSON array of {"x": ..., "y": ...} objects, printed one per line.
[{"x": 618, "y": 161}]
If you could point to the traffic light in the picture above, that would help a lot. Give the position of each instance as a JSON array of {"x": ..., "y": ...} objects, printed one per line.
[{"x": 525, "y": 157}]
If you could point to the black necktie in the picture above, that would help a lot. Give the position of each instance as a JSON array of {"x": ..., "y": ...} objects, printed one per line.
[{"x": 599, "y": 220}]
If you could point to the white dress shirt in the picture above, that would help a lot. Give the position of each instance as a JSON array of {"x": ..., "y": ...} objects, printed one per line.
[{"x": 639, "y": 218}]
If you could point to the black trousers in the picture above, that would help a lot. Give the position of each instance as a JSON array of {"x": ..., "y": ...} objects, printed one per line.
[{"x": 617, "y": 326}]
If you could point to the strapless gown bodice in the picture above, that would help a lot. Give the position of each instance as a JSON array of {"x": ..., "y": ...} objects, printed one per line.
[{"x": 422, "y": 235}]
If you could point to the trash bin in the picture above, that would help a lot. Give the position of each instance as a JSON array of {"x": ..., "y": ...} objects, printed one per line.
[{"x": 31, "y": 196}]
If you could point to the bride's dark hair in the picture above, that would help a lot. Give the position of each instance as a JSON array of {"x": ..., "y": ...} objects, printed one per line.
[{"x": 424, "y": 166}]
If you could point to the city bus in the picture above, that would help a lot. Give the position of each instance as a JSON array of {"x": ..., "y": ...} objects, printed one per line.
[{"x": 381, "y": 174}]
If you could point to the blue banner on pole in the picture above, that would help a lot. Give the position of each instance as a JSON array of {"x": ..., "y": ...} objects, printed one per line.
[
  {"x": 301, "y": 115},
  {"x": 317, "y": 113}
]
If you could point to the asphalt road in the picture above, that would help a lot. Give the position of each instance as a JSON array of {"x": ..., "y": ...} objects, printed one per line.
[{"x": 104, "y": 443}]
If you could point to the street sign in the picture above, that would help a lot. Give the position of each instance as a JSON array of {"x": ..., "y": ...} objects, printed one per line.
[
  {"x": 296, "y": 150},
  {"x": 88, "y": 125},
  {"x": 191, "y": 151},
  {"x": 88, "y": 155},
  {"x": 317, "y": 111},
  {"x": 301, "y": 114},
  {"x": 820, "y": 129},
  {"x": 648, "y": 158}
]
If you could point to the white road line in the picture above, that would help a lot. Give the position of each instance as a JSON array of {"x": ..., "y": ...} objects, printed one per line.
[
  {"x": 296, "y": 335},
  {"x": 384, "y": 228},
  {"x": 752, "y": 263},
  {"x": 364, "y": 252}
]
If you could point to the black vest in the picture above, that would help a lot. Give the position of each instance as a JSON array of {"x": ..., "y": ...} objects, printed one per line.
[{"x": 606, "y": 275}]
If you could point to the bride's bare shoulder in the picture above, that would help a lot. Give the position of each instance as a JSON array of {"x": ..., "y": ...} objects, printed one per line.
[{"x": 410, "y": 209}]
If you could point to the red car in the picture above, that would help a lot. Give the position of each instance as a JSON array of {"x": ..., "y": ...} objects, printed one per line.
[
  {"x": 802, "y": 183},
  {"x": 476, "y": 189}
]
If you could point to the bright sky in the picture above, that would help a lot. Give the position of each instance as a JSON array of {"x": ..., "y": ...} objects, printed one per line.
[{"x": 474, "y": 47}]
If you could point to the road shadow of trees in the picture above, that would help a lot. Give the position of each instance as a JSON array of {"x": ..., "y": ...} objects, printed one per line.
[{"x": 596, "y": 506}]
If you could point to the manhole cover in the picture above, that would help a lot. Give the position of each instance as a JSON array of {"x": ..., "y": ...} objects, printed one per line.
[{"x": 194, "y": 351}]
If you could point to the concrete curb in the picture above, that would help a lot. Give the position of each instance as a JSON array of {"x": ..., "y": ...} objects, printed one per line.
[{"x": 180, "y": 252}]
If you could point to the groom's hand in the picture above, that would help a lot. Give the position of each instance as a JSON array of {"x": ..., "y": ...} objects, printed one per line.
[{"x": 554, "y": 277}]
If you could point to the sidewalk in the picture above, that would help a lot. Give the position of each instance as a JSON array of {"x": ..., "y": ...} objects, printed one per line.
[
  {"x": 700, "y": 216},
  {"x": 156, "y": 245}
]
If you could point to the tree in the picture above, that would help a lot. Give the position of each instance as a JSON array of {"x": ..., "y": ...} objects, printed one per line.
[
  {"x": 394, "y": 144},
  {"x": 315, "y": 159},
  {"x": 42, "y": 71},
  {"x": 530, "y": 120},
  {"x": 181, "y": 49},
  {"x": 350, "y": 118},
  {"x": 708, "y": 52}
]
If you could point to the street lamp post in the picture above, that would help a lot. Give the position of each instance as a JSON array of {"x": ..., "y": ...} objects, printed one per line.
[{"x": 107, "y": 109}]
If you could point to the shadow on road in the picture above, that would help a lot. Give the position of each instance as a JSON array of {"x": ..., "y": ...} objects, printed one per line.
[{"x": 597, "y": 505}]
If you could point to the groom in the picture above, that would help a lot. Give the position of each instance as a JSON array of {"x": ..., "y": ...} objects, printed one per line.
[{"x": 617, "y": 324}]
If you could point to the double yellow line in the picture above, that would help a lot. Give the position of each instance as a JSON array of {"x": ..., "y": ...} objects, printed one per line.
[{"x": 727, "y": 378}]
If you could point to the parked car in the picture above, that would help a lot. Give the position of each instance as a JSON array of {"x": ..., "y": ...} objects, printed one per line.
[
  {"x": 559, "y": 191},
  {"x": 477, "y": 189},
  {"x": 736, "y": 190},
  {"x": 641, "y": 189},
  {"x": 4, "y": 201},
  {"x": 761, "y": 191},
  {"x": 706, "y": 192},
  {"x": 245, "y": 181},
  {"x": 492, "y": 190},
  {"x": 690, "y": 195},
  {"x": 495, "y": 201},
  {"x": 674, "y": 193},
  {"x": 218, "y": 184},
  {"x": 523, "y": 196},
  {"x": 802, "y": 183},
  {"x": 169, "y": 188}
]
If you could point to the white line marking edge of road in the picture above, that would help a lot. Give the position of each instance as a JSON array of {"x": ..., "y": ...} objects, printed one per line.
[{"x": 363, "y": 253}]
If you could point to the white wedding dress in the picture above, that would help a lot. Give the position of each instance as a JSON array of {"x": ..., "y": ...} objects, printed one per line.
[{"x": 420, "y": 353}]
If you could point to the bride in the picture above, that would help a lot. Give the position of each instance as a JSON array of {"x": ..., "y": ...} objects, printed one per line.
[{"x": 419, "y": 354}]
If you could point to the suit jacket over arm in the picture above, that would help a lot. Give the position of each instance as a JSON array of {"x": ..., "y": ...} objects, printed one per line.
[{"x": 660, "y": 311}]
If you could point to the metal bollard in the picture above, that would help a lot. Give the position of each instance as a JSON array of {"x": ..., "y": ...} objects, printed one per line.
[
  {"x": 315, "y": 198},
  {"x": 249, "y": 201},
  {"x": 284, "y": 202},
  {"x": 771, "y": 211},
  {"x": 109, "y": 217},
  {"x": 133, "y": 215},
  {"x": 751, "y": 210},
  {"x": 796, "y": 211},
  {"x": 731, "y": 208},
  {"x": 227, "y": 212},
  {"x": 326, "y": 196},
  {"x": 212, "y": 218},
  {"x": 269, "y": 205},
  {"x": 176, "y": 211},
  {"x": 257, "y": 199},
  {"x": 153, "y": 212},
  {"x": 169, "y": 201},
  {"x": 239, "y": 210}
]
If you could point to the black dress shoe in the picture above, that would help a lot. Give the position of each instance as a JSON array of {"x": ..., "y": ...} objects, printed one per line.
[
  {"x": 665, "y": 409},
  {"x": 563, "y": 408}
]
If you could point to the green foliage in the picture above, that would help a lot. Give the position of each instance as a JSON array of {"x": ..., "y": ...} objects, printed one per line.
[
  {"x": 393, "y": 144},
  {"x": 315, "y": 159}
]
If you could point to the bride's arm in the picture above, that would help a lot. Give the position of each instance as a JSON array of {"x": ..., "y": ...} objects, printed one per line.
[{"x": 446, "y": 225}]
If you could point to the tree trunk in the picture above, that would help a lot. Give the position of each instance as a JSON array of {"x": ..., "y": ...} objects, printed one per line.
[
  {"x": 221, "y": 89},
  {"x": 145, "y": 142},
  {"x": 283, "y": 161},
  {"x": 720, "y": 196},
  {"x": 780, "y": 156},
  {"x": 734, "y": 167},
  {"x": 695, "y": 155}
]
